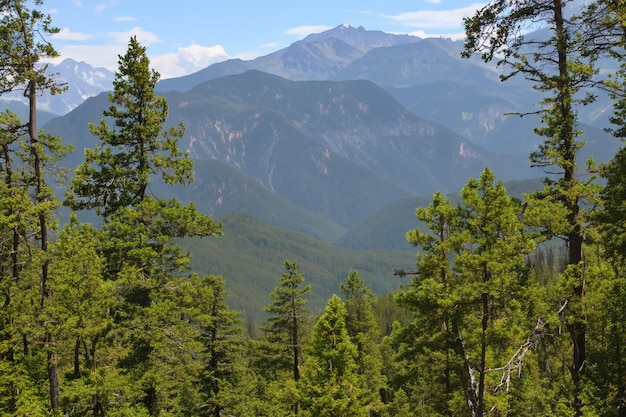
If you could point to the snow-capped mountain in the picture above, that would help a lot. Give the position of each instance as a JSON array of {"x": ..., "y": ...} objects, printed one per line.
[{"x": 82, "y": 81}]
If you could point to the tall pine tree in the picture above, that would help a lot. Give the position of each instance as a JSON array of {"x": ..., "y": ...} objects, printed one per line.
[
  {"x": 364, "y": 332},
  {"x": 288, "y": 315},
  {"x": 23, "y": 44},
  {"x": 137, "y": 236},
  {"x": 561, "y": 67}
]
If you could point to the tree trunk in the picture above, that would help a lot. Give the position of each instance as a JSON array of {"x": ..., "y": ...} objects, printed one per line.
[
  {"x": 43, "y": 226},
  {"x": 577, "y": 330}
]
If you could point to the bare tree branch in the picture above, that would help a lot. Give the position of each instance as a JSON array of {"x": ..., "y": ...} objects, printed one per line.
[
  {"x": 518, "y": 357},
  {"x": 401, "y": 272}
]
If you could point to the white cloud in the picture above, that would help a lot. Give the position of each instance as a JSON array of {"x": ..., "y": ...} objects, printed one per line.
[
  {"x": 144, "y": 37},
  {"x": 105, "y": 56},
  {"x": 435, "y": 19},
  {"x": 187, "y": 60},
  {"x": 67, "y": 35},
  {"x": 125, "y": 19},
  {"x": 99, "y": 49},
  {"x": 99, "y": 8},
  {"x": 306, "y": 30},
  {"x": 454, "y": 36}
]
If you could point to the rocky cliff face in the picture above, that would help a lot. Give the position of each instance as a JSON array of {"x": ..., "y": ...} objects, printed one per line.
[{"x": 355, "y": 120}]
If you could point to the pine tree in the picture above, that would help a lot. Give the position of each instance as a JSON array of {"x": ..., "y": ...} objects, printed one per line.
[
  {"x": 22, "y": 46},
  {"x": 222, "y": 376},
  {"x": 117, "y": 173},
  {"x": 83, "y": 301},
  {"x": 607, "y": 20},
  {"x": 330, "y": 384},
  {"x": 467, "y": 298},
  {"x": 610, "y": 301},
  {"x": 288, "y": 320},
  {"x": 136, "y": 240},
  {"x": 561, "y": 67},
  {"x": 363, "y": 331}
]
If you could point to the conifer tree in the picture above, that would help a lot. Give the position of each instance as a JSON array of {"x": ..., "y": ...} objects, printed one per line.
[
  {"x": 330, "y": 384},
  {"x": 83, "y": 301},
  {"x": 363, "y": 331},
  {"x": 222, "y": 375},
  {"x": 137, "y": 236},
  {"x": 468, "y": 297},
  {"x": 610, "y": 302},
  {"x": 117, "y": 173},
  {"x": 288, "y": 320},
  {"x": 562, "y": 67},
  {"x": 23, "y": 44}
]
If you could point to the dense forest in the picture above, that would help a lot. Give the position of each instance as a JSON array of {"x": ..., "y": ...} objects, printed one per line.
[{"x": 516, "y": 307}]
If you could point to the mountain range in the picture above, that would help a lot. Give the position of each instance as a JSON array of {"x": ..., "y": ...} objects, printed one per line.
[
  {"x": 340, "y": 136},
  {"x": 80, "y": 80}
]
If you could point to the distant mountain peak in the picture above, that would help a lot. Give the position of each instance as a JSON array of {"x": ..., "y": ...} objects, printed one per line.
[
  {"x": 83, "y": 81},
  {"x": 95, "y": 79},
  {"x": 360, "y": 37}
]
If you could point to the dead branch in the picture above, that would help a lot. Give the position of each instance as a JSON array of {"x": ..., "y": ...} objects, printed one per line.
[
  {"x": 515, "y": 113},
  {"x": 515, "y": 362},
  {"x": 401, "y": 272}
]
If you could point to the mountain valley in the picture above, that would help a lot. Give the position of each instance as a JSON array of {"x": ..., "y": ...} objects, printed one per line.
[{"x": 338, "y": 138}]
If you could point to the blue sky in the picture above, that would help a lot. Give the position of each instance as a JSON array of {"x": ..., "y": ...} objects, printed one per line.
[{"x": 196, "y": 33}]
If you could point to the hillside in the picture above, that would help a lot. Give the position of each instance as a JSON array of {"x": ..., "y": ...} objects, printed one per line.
[
  {"x": 220, "y": 190},
  {"x": 356, "y": 120},
  {"x": 386, "y": 229},
  {"x": 339, "y": 149},
  {"x": 250, "y": 256},
  {"x": 418, "y": 63}
]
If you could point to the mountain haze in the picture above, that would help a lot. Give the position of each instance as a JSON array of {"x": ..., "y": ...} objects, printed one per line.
[
  {"x": 345, "y": 149},
  {"x": 418, "y": 63},
  {"x": 317, "y": 57},
  {"x": 359, "y": 121},
  {"x": 339, "y": 149}
]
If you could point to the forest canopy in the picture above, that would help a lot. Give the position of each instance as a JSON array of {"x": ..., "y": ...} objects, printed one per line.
[{"x": 516, "y": 307}]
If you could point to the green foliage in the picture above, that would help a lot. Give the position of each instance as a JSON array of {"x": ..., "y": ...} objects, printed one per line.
[
  {"x": 221, "y": 335},
  {"x": 287, "y": 323},
  {"x": 110, "y": 322},
  {"x": 608, "y": 299},
  {"x": 364, "y": 333},
  {"x": 467, "y": 298},
  {"x": 612, "y": 217},
  {"x": 30, "y": 214},
  {"x": 250, "y": 248},
  {"x": 23, "y": 44},
  {"x": 117, "y": 173},
  {"x": 164, "y": 327},
  {"x": 330, "y": 382},
  {"x": 562, "y": 66}
]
